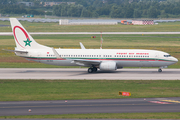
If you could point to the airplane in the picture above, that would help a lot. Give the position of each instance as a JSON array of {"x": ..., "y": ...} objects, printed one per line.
[{"x": 102, "y": 59}]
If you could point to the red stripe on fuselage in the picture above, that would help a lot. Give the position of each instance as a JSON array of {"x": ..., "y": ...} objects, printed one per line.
[
  {"x": 45, "y": 58},
  {"x": 125, "y": 59},
  {"x": 98, "y": 59}
]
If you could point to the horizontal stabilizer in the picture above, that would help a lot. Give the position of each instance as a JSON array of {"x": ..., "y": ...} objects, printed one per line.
[{"x": 20, "y": 51}]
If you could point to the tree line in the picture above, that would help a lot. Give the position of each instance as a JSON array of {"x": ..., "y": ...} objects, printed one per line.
[
  {"x": 148, "y": 9},
  {"x": 97, "y": 8},
  {"x": 19, "y": 9}
]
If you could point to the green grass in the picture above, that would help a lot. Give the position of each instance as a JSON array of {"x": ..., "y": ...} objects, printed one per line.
[
  {"x": 175, "y": 115},
  {"x": 55, "y": 27},
  {"x": 110, "y": 41},
  {"x": 27, "y": 90}
]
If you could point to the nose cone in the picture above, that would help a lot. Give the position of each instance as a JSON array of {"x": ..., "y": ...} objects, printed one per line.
[{"x": 175, "y": 59}]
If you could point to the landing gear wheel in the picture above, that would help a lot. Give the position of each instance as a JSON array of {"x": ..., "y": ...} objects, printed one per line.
[
  {"x": 90, "y": 70},
  {"x": 94, "y": 69},
  {"x": 159, "y": 70}
]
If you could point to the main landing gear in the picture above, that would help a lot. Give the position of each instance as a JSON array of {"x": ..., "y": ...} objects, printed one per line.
[{"x": 92, "y": 69}]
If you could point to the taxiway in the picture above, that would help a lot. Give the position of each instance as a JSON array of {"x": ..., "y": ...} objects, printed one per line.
[{"x": 135, "y": 105}]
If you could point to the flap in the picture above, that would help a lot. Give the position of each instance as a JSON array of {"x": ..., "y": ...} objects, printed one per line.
[{"x": 83, "y": 62}]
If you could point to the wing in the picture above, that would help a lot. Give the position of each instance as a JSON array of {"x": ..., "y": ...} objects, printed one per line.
[{"x": 86, "y": 63}]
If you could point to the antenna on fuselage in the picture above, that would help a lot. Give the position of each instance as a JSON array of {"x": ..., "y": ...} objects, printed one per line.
[{"x": 101, "y": 41}]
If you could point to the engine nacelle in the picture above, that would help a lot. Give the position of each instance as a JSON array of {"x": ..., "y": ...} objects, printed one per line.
[{"x": 110, "y": 65}]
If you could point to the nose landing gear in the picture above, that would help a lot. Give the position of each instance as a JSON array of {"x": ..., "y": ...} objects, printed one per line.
[{"x": 159, "y": 70}]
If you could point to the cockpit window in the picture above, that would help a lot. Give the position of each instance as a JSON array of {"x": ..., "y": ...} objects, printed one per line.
[{"x": 167, "y": 55}]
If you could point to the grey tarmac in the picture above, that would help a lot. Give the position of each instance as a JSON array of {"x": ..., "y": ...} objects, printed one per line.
[
  {"x": 82, "y": 74},
  {"x": 134, "y": 105}
]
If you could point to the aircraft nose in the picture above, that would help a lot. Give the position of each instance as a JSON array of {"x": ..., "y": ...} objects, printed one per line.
[{"x": 175, "y": 59}]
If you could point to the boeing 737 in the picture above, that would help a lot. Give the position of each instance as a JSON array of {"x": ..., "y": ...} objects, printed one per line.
[{"x": 103, "y": 59}]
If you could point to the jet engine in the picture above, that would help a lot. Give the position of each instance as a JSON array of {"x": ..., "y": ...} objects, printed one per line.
[{"x": 110, "y": 65}]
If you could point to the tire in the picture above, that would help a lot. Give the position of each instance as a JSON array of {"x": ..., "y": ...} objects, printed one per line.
[
  {"x": 94, "y": 69},
  {"x": 159, "y": 70},
  {"x": 90, "y": 70}
]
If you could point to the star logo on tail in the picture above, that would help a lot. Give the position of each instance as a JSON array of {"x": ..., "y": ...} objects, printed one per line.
[{"x": 27, "y": 42}]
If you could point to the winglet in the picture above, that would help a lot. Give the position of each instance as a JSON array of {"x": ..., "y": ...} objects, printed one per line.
[{"x": 82, "y": 46}]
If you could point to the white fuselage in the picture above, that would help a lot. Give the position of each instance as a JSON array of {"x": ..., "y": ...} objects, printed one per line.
[{"x": 122, "y": 57}]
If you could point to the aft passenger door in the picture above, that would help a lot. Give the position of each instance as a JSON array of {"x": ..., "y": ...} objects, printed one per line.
[{"x": 156, "y": 56}]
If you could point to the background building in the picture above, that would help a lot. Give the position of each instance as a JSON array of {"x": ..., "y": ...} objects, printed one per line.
[
  {"x": 143, "y": 22},
  {"x": 27, "y": 3},
  {"x": 55, "y": 3},
  {"x": 86, "y": 22}
]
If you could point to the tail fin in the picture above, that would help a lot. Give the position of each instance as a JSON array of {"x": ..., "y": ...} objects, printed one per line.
[{"x": 22, "y": 38}]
